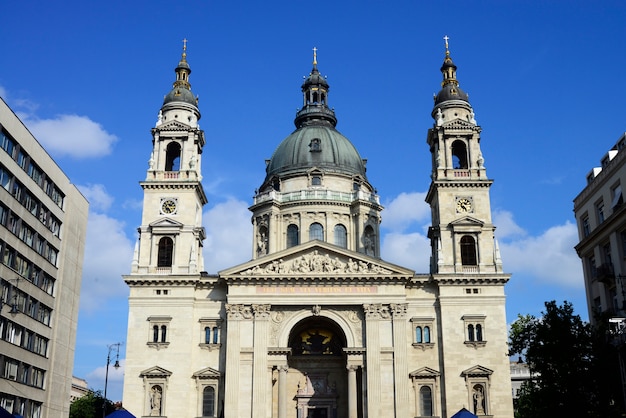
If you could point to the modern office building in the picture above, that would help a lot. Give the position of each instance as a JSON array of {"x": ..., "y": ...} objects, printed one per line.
[
  {"x": 316, "y": 324},
  {"x": 43, "y": 221},
  {"x": 601, "y": 219}
]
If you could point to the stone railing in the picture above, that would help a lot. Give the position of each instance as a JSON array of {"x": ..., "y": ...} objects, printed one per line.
[{"x": 315, "y": 194}]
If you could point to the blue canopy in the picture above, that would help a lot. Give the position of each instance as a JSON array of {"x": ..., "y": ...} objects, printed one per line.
[
  {"x": 122, "y": 413},
  {"x": 464, "y": 413},
  {"x": 4, "y": 413}
]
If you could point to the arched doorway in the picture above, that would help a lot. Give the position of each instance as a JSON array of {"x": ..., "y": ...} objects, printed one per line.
[{"x": 317, "y": 368}]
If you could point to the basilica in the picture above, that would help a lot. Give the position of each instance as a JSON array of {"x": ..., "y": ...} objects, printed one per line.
[{"x": 316, "y": 324}]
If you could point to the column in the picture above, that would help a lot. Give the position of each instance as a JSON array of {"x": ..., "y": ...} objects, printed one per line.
[
  {"x": 231, "y": 394},
  {"x": 282, "y": 391},
  {"x": 372, "y": 355},
  {"x": 400, "y": 365},
  {"x": 352, "y": 395},
  {"x": 259, "y": 358}
]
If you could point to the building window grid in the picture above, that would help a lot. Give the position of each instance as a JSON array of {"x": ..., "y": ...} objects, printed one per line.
[
  {"x": 26, "y": 268},
  {"x": 24, "y": 161},
  {"x": 22, "y": 372}
]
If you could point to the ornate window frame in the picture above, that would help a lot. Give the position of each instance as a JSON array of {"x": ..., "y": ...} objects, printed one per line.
[
  {"x": 155, "y": 376},
  {"x": 208, "y": 377},
  {"x": 474, "y": 377},
  {"x": 160, "y": 322},
  {"x": 420, "y": 378},
  {"x": 215, "y": 324},
  {"x": 477, "y": 324},
  {"x": 423, "y": 322}
]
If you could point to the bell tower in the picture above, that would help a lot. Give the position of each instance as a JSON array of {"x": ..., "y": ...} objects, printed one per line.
[
  {"x": 171, "y": 232},
  {"x": 462, "y": 233}
]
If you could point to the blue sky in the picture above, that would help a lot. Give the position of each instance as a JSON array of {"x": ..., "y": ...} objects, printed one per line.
[{"x": 545, "y": 80}]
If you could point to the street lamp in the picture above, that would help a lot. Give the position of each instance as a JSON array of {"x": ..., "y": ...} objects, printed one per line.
[{"x": 106, "y": 375}]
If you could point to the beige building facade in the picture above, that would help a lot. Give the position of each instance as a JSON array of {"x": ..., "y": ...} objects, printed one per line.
[
  {"x": 316, "y": 324},
  {"x": 601, "y": 219},
  {"x": 43, "y": 223}
]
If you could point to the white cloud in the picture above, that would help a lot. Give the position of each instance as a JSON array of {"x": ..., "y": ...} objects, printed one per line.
[
  {"x": 549, "y": 257},
  {"x": 71, "y": 135},
  {"x": 505, "y": 225},
  {"x": 404, "y": 210},
  {"x": 229, "y": 235},
  {"x": 114, "y": 374},
  {"x": 3, "y": 93},
  {"x": 97, "y": 196},
  {"x": 409, "y": 250},
  {"x": 108, "y": 255}
]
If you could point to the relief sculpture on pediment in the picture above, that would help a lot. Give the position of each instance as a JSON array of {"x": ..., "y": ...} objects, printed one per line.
[{"x": 316, "y": 263}]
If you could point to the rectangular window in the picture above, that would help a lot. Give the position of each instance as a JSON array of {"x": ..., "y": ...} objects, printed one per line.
[
  {"x": 5, "y": 178},
  {"x": 586, "y": 226},
  {"x": 7, "y": 144},
  {"x": 616, "y": 193},
  {"x": 22, "y": 159},
  {"x": 600, "y": 211}
]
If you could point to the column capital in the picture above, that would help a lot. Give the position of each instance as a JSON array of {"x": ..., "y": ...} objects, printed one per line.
[
  {"x": 238, "y": 311},
  {"x": 352, "y": 368},
  {"x": 261, "y": 311},
  {"x": 398, "y": 310},
  {"x": 283, "y": 368},
  {"x": 376, "y": 311}
]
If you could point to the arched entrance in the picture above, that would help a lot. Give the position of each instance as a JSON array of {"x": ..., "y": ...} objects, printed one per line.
[{"x": 317, "y": 368}]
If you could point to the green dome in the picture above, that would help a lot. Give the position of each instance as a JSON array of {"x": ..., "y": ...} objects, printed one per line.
[
  {"x": 318, "y": 146},
  {"x": 180, "y": 94}
]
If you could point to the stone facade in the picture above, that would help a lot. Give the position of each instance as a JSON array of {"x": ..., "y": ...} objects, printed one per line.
[{"x": 317, "y": 325}]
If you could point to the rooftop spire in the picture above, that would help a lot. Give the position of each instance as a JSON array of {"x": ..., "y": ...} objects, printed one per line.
[
  {"x": 315, "y": 108},
  {"x": 448, "y": 69},
  {"x": 183, "y": 70}
]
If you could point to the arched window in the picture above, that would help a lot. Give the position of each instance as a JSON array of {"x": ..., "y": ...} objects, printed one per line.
[
  {"x": 426, "y": 401},
  {"x": 207, "y": 335},
  {"x": 166, "y": 250},
  {"x": 479, "y": 332},
  {"x": 293, "y": 236},
  {"x": 468, "y": 251},
  {"x": 208, "y": 401},
  {"x": 418, "y": 335},
  {"x": 155, "y": 334},
  {"x": 172, "y": 157},
  {"x": 459, "y": 155},
  {"x": 163, "y": 333},
  {"x": 316, "y": 231},
  {"x": 470, "y": 332},
  {"x": 341, "y": 236},
  {"x": 215, "y": 335},
  {"x": 369, "y": 241},
  {"x": 427, "y": 334}
]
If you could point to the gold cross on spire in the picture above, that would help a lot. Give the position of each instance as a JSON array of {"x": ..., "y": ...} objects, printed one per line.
[
  {"x": 314, "y": 56},
  {"x": 445, "y": 38},
  {"x": 185, "y": 44}
]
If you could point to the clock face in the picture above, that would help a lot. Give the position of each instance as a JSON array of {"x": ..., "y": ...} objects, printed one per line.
[
  {"x": 464, "y": 204},
  {"x": 168, "y": 206}
]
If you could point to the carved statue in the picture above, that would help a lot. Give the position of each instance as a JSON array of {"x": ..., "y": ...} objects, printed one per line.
[{"x": 155, "y": 401}]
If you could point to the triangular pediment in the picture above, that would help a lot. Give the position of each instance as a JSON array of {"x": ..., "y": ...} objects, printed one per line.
[
  {"x": 460, "y": 124},
  {"x": 424, "y": 372},
  {"x": 207, "y": 373},
  {"x": 467, "y": 221},
  {"x": 155, "y": 371},
  {"x": 317, "y": 259},
  {"x": 477, "y": 370},
  {"x": 166, "y": 223},
  {"x": 174, "y": 125}
]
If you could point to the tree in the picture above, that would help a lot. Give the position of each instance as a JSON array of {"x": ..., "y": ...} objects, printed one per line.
[
  {"x": 91, "y": 406},
  {"x": 568, "y": 363}
]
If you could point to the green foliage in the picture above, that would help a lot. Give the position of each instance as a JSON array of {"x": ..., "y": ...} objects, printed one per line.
[
  {"x": 91, "y": 406},
  {"x": 572, "y": 366}
]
